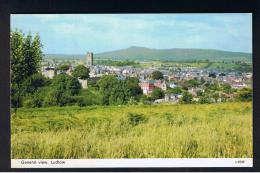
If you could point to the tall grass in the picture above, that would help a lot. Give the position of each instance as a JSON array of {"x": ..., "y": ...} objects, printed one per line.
[{"x": 158, "y": 131}]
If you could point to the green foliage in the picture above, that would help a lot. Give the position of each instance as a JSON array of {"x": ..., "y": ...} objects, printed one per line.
[
  {"x": 16, "y": 100},
  {"x": 132, "y": 88},
  {"x": 245, "y": 94},
  {"x": 26, "y": 56},
  {"x": 36, "y": 99},
  {"x": 88, "y": 97},
  {"x": 135, "y": 119},
  {"x": 61, "y": 91},
  {"x": 63, "y": 67},
  {"x": 145, "y": 100},
  {"x": 191, "y": 83},
  {"x": 33, "y": 82},
  {"x": 186, "y": 98},
  {"x": 157, "y": 93},
  {"x": 156, "y": 75},
  {"x": 227, "y": 88},
  {"x": 118, "y": 91},
  {"x": 176, "y": 90},
  {"x": 117, "y": 63},
  {"x": 17, "y": 60},
  {"x": 81, "y": 72},
  {"x": 64, "y": 83},
  {"x": 132, "y": 101},
  {"x": 204, "y": 99}
]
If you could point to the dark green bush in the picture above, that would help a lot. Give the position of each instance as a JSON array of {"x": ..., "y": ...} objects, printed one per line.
[{"x": 135, "y": 119}]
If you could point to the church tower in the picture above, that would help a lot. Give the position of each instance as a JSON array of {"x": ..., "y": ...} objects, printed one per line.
[{"x": 89, "y": 59}]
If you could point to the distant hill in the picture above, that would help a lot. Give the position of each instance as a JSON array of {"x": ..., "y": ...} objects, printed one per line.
[{"x": 175, "y": 54}]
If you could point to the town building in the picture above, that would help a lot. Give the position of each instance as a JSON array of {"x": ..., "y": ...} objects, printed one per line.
[
  {"x": 148, "y": 85},
  {"x": 49, "y": 72}
]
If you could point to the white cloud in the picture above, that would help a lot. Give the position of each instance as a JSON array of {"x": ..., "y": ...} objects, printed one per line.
[{"x": 103, "y": 32}]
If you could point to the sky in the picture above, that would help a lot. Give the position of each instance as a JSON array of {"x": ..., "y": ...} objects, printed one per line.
[{"x": 80, "y": 33}]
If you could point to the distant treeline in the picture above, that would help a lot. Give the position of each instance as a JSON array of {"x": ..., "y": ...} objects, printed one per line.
[{"x": 117, "y": 63}]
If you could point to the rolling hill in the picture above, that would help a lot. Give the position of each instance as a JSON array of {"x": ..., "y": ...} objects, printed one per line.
[{"x": 175, "y": 54}]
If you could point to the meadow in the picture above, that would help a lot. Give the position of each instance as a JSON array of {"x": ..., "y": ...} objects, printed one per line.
[{"x": 222, "y": 130}]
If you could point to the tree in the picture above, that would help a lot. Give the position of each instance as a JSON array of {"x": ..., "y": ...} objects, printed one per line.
[
  {"x": 33, "y": 82},
  {"x": 26, "y": 56},
  {"x": 192, "y": 83},
  {"x": 227, "y": 88},
  {"x": 62, "y": 90},
  {"x": 156, "y": 75},
  {"x": 186, "y": 98},
  {"x": 32, "y": 55},
  {"x": 176, "y": 90},
  {"x": 63, "y": 67},
  {"x": 116, "y": 91},
  {"x": 17, "y": 61},
  {"x": 245, "y": 94},
  {"x": 157, "y": 93},
  {"x": 111, "y": 89},
  {"x": 66, "y": 84},
  {"x": 81, "y": 72},
  {"x": 132, "y": 88}
]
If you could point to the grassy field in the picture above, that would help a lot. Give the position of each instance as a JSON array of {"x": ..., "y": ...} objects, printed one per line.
[
  {"x": 158, "y": 131},
  {"x": 224, "y": 67}
]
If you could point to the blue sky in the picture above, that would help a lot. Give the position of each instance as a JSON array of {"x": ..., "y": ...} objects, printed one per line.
[{"x": 79, "y": 33}]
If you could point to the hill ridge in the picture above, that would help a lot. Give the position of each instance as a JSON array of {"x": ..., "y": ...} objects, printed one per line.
[{"x": 172, "y": 54}]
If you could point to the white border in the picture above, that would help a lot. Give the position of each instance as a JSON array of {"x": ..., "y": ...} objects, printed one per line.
[{"x": 130, "y": 163}]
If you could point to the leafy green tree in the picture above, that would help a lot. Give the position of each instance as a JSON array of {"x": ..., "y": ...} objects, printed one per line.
[
  {"x": 61, "y": 91},
  {"x": 32, "y": 54},
  {"x": 108, "y": 85},
  {"x": 157, "y": 93},
  {"x": 176, "y": 90},
  {"x": 17, "y": 60},
  {"x": 156, "y": 75},
  {"x": 116, "y": 91},
  {"x": 213, "y": 87},
  {"x": 245, "y": 94},
  {"x": 186, "y": 98},
  {"x": 63, "y": 67},
  {"x": 26, "y": 56},
  {"x": 36, "y": 99},
  {"x": 66, "y": 84},
  {"x": 16, "y": 100},
  {"x": 227, "y": 88},
  {"x": 33, "y": 82},
  {"x": 132, "y": 88},
  {"x": 192, "y": 83},
  {"x": 81, "y": 72}
]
